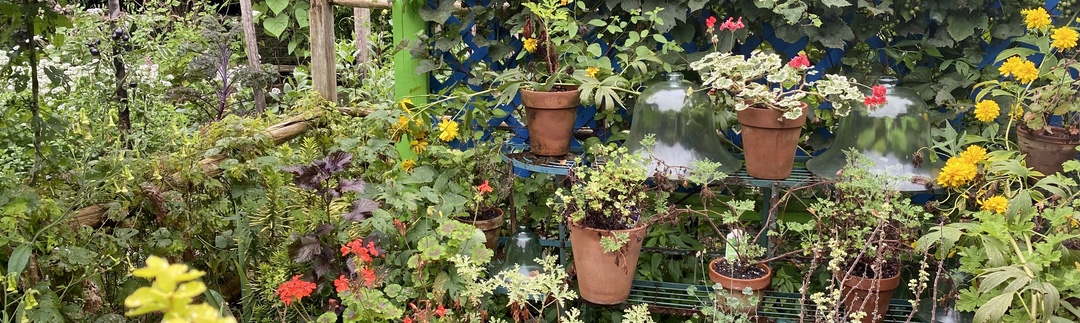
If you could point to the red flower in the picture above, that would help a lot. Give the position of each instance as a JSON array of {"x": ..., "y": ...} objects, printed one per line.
[
  {"x": 710, "y": 22},
  {"x": 407, "y": 320},
  {"x": 879, "y": 90},
  {"x": 799, "y": 61},
  {"x": 485, "y": 187},
  {"x": 341, "y": 284},
  {"x": 372, "y": 250},
  {"x": 440, "y": 311},
  {"x": 357, "y": 248},
  {"x": 369, "y": 276},
  {"x": 877, "y": 98},
  {"x": 295, "y": 289},
  {"x": 732, "y": 25}
]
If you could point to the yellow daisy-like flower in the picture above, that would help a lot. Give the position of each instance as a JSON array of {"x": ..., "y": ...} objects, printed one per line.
[
  {"x": 997, "y": 204},
  {"x": 448, "y": 130},
  {"x": 1017, "y": 112},
  {"x": 1022, "y": 69},
  {"x": 402, "y": 123},
  {"x": 592, "y": 70},
  {"x": 973, "y": 154},
  {"x": 530, "y": 44},
  {"x": 987, "y": 110},
  {"x": 1064, "y": 38},
  {"x": 404, "y": 102},
  {"x": 1036, "y": 18},
  {"x": 956, "y": 173},
  {"x": 408, "y": 165},
  {"x": 418, "y": 146}
]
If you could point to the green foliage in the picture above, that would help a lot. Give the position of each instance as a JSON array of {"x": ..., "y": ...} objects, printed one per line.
[
  {"x": 610, "y": 191},
  {"x": 173, "y": 290}
]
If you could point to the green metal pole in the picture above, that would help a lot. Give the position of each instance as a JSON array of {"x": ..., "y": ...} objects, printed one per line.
[{"x": 407, "y": 24}]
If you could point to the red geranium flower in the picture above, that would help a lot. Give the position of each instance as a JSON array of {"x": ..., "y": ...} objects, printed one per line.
[
  {"x": 407, "y": 320},
  {"x": 877, "y": 98},
  {"x": 710, "y": 22},
  {"x": 369, "y": 276},
  {"x": 295, "y": 289},
  {"x": 799, "y": 61},
  {"x": 485, "y": 187},
  {"x": 341, "y": 284},
  {"x": 441, "y": 311}
]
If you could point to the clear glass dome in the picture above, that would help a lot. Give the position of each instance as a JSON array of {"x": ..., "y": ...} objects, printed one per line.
[
  {"x": 890, "y": 135},
  {"x": 683, "y": 125}
]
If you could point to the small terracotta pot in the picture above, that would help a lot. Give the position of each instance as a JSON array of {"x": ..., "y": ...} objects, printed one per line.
[
  {"x": 604, "y": 278},
  {"x": 1045, "y": 153},
  {"x": 736, "y": 287},
  {"x": 491, "y": 228},
  {"x": 868, "y": 295},
  {"x": 550, "y": 119},
  {"x": 769, "y": 141}
]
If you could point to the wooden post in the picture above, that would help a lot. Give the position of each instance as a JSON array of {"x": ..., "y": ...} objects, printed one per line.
[
  {"x": 362, "y": 28},
  {"x": 251, "y": 46},
  {"x": 323, "y": 70},
  {"x": 407, "y": 23}
]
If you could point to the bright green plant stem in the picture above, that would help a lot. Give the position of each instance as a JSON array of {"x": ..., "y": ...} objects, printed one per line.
[{"x": 407, "y": 23}]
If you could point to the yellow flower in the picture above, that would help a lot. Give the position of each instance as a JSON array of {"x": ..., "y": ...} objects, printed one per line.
[
  {"x": 408, "y": 165},
  {"x": 974, "y": 154},
  {"x": 530, "y": 44},
  {"x": 956, "y": 173},
  {"x": 418, "y": 146},
  {"x": 1036, "y": 18},
  {"x": 997, "y": 204},
  {"x": 1064, "y": 38},
  {"x": 1022, "y": 69},
  {"x": 564, "y": 2},
  {"x": 402, "y": 123},
  {"x": 1017, "y": 112},
  {"x": 987, "y": 110},
  {"x": 404, "y": 106},
  {"x": 448, "y": 130},
  {"x": 592, "y": 71}
]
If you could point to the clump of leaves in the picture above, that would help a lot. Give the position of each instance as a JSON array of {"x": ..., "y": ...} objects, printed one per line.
[{"x": 212, "y": 66}]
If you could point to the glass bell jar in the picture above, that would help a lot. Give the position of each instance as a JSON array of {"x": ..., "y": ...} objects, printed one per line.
[
  {"x": 890, "y": 135},
  {"x": 522, "y": 250},
  {"x": 683, "y": 125}
]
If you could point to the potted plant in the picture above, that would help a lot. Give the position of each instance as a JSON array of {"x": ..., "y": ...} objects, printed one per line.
[
  {"x": 742, "y": 273},
  {"x": 771, "y": 101},
  {"x": 608, "y": 207},
  {"x": 1045, "y": 99},
  {"x": 865, "y": 227},
  {"x": 563, "y": 65},
  {"x": 477, "y": 174}
]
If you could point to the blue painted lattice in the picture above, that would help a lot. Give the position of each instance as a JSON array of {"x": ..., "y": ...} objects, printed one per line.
[{"x": 460, "y": 68}]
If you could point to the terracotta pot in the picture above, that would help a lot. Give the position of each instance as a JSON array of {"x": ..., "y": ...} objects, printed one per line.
[
  {"x": 736, "y": 288},
  {"x": 769, "y": 141},
  {"x": 868, "y": 295},
  {"x": 1045, "y": 153},
  {"x": 550, "y": 119},
  {"x": 491, "y": 228},
  {"x": 604, "y": 278}
]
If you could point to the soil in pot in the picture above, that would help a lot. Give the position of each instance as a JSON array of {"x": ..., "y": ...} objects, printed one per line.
[
  {"x": 550, "y": 119},
  {"x": 735, "y": 280},
  {"x": 869, "y": 295},
  {"x": 491, "y": 222},
  {"x": 604, "y": 277},
  {"x": 1045, "y": 151}
]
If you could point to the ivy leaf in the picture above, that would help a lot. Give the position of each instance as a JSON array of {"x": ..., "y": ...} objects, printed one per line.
[
  {"x": 836, "y": 3},
  {"x": 440, "y": 14},
  {"x": 277, "y": 5},
  {"x": 963, "y": 26},
  {"x": 362, "y": 209},
  {"x": 276, "y": 25}
]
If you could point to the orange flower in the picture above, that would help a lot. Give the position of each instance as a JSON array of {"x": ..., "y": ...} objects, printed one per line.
[
  {"x": 369, "y": 276},
  {"x": 441, "y": 311},
  {"x": 341, "y": 284},
  {"x": 485, "y": 187},
  {"x": 295, "y": 289},
  {"x": 407, "y": 320}
]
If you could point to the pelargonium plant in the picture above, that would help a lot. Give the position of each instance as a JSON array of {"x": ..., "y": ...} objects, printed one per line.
[{"x": 763, "y": 80}]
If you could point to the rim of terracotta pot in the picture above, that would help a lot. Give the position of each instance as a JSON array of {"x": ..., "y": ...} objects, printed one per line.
[
  {"x": 488, "y": 224},
  {"x": 639, "y": 227},
  {"x": 868, "y": 284},
  {"x": 1030, "y": 133},
  {"x": 755, "y": 284},
  {"x": 770, "y": 118},
  {"x": 546, "y": 100}
]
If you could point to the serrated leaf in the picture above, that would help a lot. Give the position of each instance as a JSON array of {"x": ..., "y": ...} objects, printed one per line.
[
  {"x": 305, "y": 249},
  {"x": 993, "y": 309}
]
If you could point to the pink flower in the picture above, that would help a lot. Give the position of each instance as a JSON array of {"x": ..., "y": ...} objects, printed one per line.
[
  {"x": 799, "y": 61},
  {"x": 879, "y": 90},
  {"x": 732, "y": 25},
  {"x": 710, "y": 22}
]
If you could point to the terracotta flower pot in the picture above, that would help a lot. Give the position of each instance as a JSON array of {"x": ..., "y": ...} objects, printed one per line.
[
  {"x": 868, "y": 295},
  {"x": 769, "y": 141},
  {"x": 550, "y": 119},
  {"x": 491, "y": 228},
  {"x": 604, "y": 278},
  {"x": 735, "y": 288},
  {"x": 1045, "y": 153}
]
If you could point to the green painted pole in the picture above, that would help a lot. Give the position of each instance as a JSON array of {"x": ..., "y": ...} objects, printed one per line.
[{"x": 407, "y": 24}]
